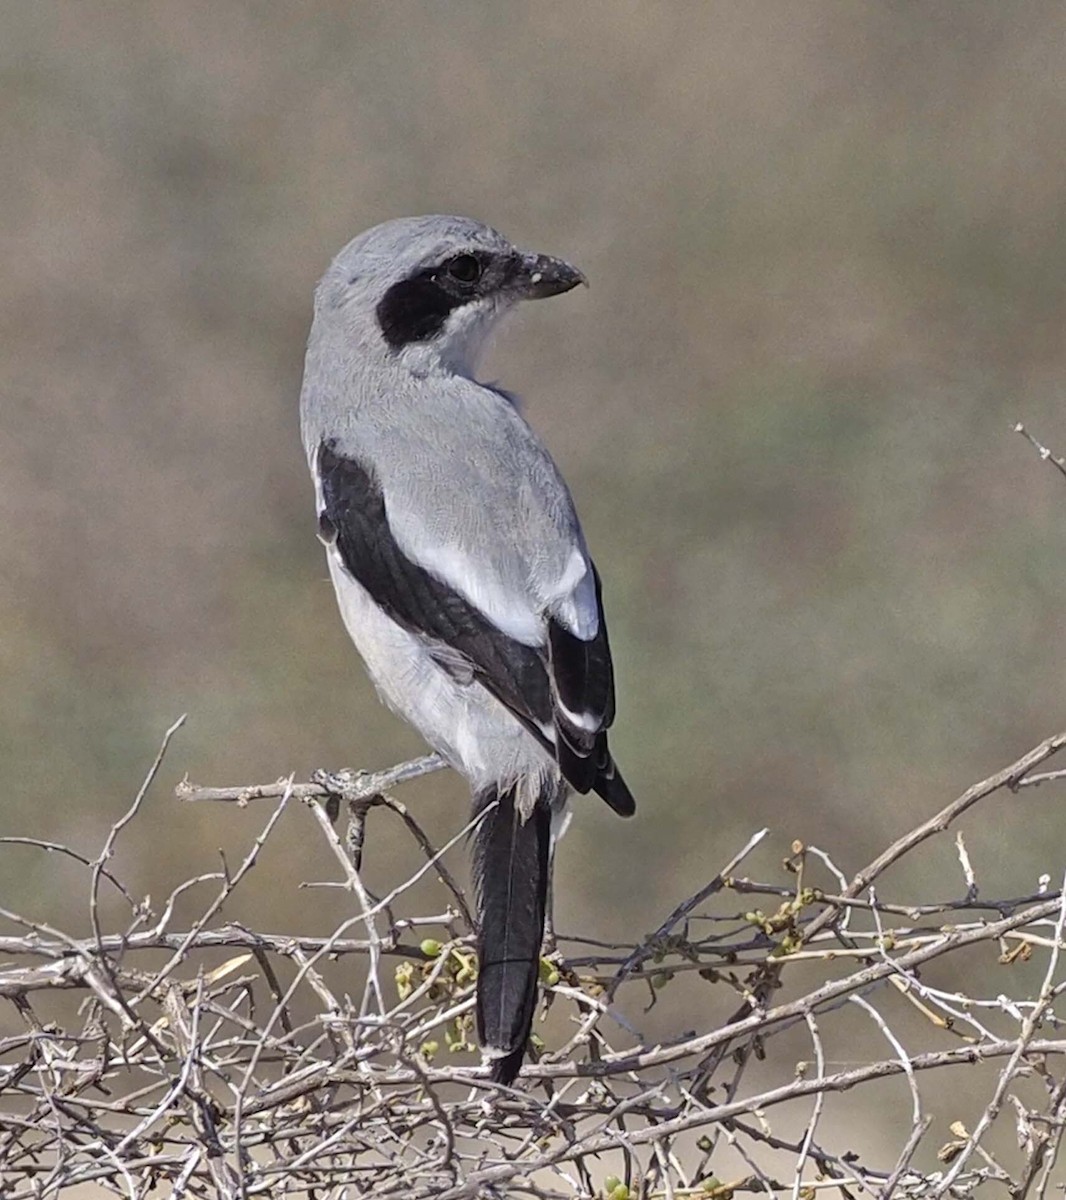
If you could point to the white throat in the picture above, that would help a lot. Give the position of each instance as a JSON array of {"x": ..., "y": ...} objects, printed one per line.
[{"x": 460, "y": 345}]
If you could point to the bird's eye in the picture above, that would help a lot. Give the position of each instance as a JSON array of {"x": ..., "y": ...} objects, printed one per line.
[{"x": 464, "y": 268}]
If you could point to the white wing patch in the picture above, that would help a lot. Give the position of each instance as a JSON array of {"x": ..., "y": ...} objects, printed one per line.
[
  {"x": 573, "y": 602},
  {"x": 511, "y": 614},
  {"x": 586, "y": 721}
]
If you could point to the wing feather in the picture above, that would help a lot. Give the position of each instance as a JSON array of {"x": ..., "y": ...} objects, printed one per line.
[{"x": 561, "y": 691}]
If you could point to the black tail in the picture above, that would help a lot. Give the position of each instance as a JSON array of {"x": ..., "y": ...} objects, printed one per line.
[
  {"x": 511, "y": 863},
  {"x": 610, "y": 786}
]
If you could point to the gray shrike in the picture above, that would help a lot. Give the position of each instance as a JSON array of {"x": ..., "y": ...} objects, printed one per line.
[{"x": 460, "y": 567}]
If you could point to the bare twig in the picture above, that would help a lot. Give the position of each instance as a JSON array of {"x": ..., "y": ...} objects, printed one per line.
[
  {"x": 1058, "y": 463},
  {"x": 178, "y": 1076},
  {"x": 350, "y": 785},
  {"x": 1010, "y": 777}
]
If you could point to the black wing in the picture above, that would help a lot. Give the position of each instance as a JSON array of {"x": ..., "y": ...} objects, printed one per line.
[
  {"x": 582, "y": 681},
  {"x": 544, "y": 688}
]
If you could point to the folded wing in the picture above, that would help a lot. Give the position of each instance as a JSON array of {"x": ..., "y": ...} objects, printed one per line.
[{"x": 562, "y": 690}]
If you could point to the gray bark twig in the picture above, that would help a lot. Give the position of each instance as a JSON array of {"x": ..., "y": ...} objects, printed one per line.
[{"x": 236, "y": 1067}]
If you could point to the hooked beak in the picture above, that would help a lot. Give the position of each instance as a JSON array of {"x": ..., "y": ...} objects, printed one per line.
[{"x": 540, "y": 275}]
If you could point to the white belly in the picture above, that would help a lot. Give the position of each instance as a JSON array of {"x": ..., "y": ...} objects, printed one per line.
[{"x": 461, "y": 721}]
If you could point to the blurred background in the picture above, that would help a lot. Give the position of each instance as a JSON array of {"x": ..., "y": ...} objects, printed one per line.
[{"x": 828, "y": 264}]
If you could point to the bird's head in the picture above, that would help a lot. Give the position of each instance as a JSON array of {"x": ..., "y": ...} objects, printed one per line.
[{"x": 429, "y": 290}]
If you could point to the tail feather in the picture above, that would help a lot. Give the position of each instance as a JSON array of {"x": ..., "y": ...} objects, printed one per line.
[
  {"x": 610, "y": 786},
  {"x": 511, "y": 863}
]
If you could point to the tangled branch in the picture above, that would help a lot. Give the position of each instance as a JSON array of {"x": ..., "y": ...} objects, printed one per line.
[{"x": 257, "y": 1076}]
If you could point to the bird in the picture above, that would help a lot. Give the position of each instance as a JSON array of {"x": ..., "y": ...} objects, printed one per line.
[{"x": 460, "y": 568}]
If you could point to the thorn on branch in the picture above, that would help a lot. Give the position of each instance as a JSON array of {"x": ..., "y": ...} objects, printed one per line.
[{"x": 1045, "y": 454}]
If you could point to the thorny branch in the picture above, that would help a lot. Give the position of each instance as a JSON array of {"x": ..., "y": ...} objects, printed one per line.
[
  {"x": 256, "y": 1076},
  {"x": 1047, "y": 455}
]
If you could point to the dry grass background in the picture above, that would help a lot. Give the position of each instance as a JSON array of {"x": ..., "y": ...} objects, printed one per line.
[{"x": 827, "y": 258}]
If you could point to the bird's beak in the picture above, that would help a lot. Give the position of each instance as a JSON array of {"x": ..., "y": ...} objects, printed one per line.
[{"x": 540, "y": 275}]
